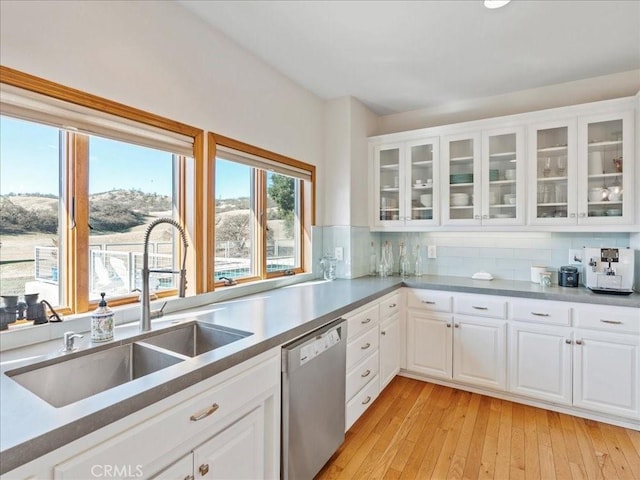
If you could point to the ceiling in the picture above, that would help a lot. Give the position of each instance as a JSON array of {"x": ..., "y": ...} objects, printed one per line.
[{"x": 397, "y": 56}]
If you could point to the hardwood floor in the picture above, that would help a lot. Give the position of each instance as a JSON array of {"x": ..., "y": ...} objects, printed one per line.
[{"x": 418, "y": 430}]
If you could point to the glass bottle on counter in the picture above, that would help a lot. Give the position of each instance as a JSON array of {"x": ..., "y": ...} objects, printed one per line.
[
  {"x": 373, "y": 260},
  {"x": 403, "y": 262},
  {"x": 418, "y": 266}
]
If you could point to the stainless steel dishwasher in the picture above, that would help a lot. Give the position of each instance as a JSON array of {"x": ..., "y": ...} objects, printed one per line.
[{"x": 313, "y": 395}]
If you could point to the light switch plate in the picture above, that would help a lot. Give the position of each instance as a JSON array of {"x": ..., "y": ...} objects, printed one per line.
[
  {"x": 431, "y": 251},
  {"x": 339, "y": 254}
]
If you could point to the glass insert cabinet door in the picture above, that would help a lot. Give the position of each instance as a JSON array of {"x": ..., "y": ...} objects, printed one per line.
[
  {"x": 422, "y": 200},
  {"x": 461, "y": 177},
  {"x": 388, "y": 184},
  {"x": 503, "y": 177},
  {"x": 605, "y": 192},
  {"x": 553, "y": 195}
]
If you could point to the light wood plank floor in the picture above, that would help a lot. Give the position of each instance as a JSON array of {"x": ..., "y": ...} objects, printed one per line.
[{"x": 418, "y": 430}]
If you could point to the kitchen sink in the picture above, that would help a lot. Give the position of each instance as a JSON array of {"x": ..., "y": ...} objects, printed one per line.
[
  {"x": 69, "y": 379},
  {"x": 196, "y": 338}
]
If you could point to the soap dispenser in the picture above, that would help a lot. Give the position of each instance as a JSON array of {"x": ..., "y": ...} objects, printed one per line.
[{"x": 102, "y": 322}]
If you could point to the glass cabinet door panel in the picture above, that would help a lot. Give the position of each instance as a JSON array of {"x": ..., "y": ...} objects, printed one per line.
[
  {"x": 462, "y": 174},
  {"x": 552, "y": 173},
  {"x": 605, "y": 169},
  {"x": 389, "y": 184},
  {"x": 503, "y": 165},
  {"x": 422, "y": 200}
]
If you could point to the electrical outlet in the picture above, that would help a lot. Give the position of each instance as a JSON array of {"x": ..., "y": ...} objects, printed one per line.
[
  {"x": 339, "y": 254},
  {"x": 575, "y": 256},
  {"x": 431, "y": 251}
]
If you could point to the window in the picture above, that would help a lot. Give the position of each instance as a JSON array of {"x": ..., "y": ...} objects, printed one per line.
[
  {"x": 262, "y": 211},
  {"x": 79, "y": 187}
]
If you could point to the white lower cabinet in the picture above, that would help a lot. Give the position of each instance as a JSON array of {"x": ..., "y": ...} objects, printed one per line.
[
  {"x": 235, "y": 453},
  {"x": 540, "y": 362},
  {"x": 430, "y": 344},
  {"x": 231, "y": 430},
  {"x": 390, "y": 349},
  {"x": 607, "y": 372},
  {"x": 480, "y": 352}
]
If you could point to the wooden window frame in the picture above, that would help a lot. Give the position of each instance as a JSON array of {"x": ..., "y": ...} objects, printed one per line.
[
  {"x": 75, "y": 196},
  {"x": 306, "y": 210}
]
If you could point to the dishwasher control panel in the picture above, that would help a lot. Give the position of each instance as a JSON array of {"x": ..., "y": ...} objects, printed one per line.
[{"x": 319, "y": 345}]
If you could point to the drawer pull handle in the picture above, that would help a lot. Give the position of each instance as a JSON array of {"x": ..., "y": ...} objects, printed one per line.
[
  {"x": 448, "y": 325},
  {"x": 364, "y": 347},
  {"x": 611, "y": 322},
  {"x": 367, "y": 400},
  {"x": 578, "y": 342},
  {"x": 567, "y": 341},
  {"x": 365, "y": 374},
  {"x": 204, "y": 413},
  {"x": 364, "y": 322},
  {"x": 457, "y": 325},
  {"x": 428, "y": 302},
  {"x": 537, "y": 314},
  {"x": 480, "y": 308},
  {"x": 383, "y": 332},
  {"x": 393, "y": 305},
  {"x": 204, "y": 469}
]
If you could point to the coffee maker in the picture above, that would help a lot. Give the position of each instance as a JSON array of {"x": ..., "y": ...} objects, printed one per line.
[{"x": 609, "y": 270}]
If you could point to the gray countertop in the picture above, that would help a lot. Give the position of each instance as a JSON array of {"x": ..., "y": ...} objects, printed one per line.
[{"x": 31, "y": 427}]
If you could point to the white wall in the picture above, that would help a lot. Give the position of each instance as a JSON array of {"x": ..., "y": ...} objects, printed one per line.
[
  {"x": 563, "y": 94},
  {"x": 159, "y": 57}
]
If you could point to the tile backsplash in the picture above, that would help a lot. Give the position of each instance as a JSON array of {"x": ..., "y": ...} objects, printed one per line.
[{"x": 506, "y": 255}]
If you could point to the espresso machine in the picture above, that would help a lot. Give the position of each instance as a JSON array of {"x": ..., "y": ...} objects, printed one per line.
[{"x": 609, "y": 270}]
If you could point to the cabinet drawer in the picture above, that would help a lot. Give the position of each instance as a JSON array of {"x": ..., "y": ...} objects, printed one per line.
[
  {"x": 358, "y": 323},
  {"x": 482, "y": 306},
  {"x": 358, "y": 404},
  {"x": 361, "y": 374},
  {"x": 361, "y": 347},
  {"x": 429, "y": 300},
  {"x": 539, "y": 311},
  {"x": 389, "y": 305},
  {"x": 611, "y": 319}
]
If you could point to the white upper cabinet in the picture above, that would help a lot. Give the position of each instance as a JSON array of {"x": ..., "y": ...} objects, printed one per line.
[
  {"x": 406, "y": 183},
  {"x": 422, "y": 202},
  {"x": 461, "y": 174},
  {"x": 580, "y": 174},
  {"x": 565, "y": 168},
  {"x": 553, "y": 173},
  {"x": 605, "y": 169},
  {"x": 503, "y": 173}
]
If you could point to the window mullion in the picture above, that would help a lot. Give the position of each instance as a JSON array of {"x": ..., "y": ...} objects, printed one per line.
[
  {"x": 77, "y": 245},
  {"x": 261, "y": 224}
]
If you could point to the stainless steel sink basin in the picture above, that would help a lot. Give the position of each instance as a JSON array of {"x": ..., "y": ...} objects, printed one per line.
[
  {"x": 65, "y": 380},
  {"x": 196, "y": 338}
]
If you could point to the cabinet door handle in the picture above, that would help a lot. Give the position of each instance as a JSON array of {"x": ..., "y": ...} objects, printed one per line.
[
  {"x": 367, "y": 400},
  {"x": 578, "y": 342},
  {"x": 383, "y": 332},
  {"x": 448, "y": 325},
  {"x": 188, "y": 477},
  {"x": 204, "y": 413},
  {"x": 364, "y": 347},
  {"x": 567, "y": 341},
  {"x": 537, "y": 314},
  {"x": 479, "y": 308},
  {"x": 476, "y": 217},
  {"x": 611, "y": 322},
  {"x": 457, "y": 325},
  {"x": 485, "y": 217},
  {"x": 572, "y": 215},
  {"x": 204, "y": 469},
  {"x": 365, "y": 374},
  {"x": 428, "y": 302},
  {"x": 582, "y": 215},
  {"x": 393, "y": 305},
  {"x": 364, "y": 322}
]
